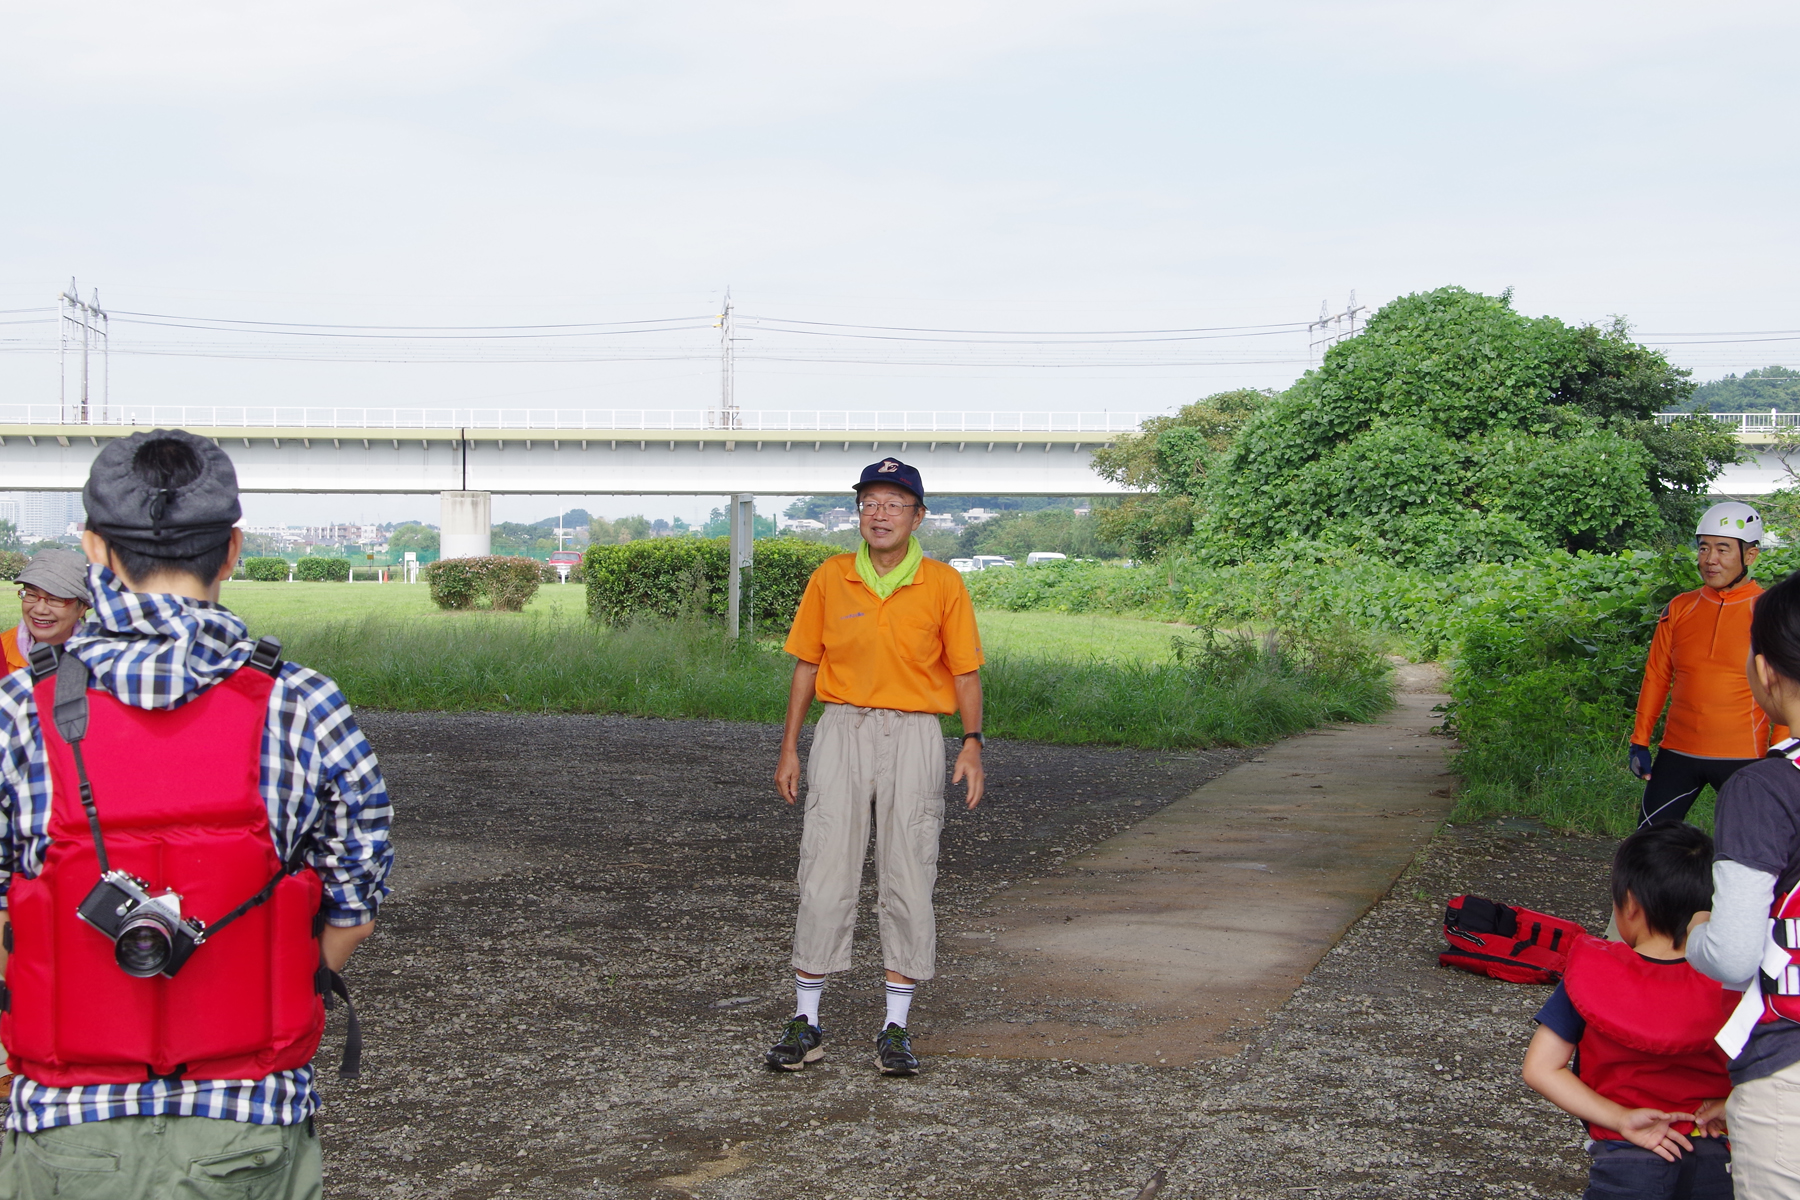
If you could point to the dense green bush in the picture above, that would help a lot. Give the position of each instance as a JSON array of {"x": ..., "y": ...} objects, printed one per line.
[
  {"x": 1546, "y": 653},
  {"x": 673, "y": 577},
  {"x": 12, "y": 562},
  {"x": 503, "y": 583},
  {"x": 316, "y": 569},
  {"x": 266, "y": 570}
]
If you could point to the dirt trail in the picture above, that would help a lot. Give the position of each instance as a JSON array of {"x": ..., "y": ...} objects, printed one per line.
[{"x": 1166, "y": 942}]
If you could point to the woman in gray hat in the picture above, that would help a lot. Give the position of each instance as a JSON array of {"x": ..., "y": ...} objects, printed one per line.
[{"x": 53, "y": 597}]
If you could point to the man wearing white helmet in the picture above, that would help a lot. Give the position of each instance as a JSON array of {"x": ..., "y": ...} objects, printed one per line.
[{"x": 1696, "y": 666}]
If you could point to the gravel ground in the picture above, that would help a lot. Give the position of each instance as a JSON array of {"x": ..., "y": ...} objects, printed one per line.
[{"x": 586, "y": 953}]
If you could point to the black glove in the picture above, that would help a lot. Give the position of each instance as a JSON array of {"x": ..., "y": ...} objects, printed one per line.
[{"x": 1640, "y": 761}]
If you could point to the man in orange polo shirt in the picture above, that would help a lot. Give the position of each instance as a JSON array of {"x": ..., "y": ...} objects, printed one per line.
[{"x": 886, "y": 638}]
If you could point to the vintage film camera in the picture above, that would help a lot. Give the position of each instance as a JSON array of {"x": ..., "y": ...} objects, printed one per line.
[{"x": 149, "y": 934}]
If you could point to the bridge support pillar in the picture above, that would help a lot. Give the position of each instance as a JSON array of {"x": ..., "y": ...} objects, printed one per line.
[
  {"x": 740, "y": 611},
  {"x": 465, "y": 524}
]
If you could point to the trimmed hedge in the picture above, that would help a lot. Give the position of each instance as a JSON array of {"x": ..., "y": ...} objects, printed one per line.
[
  {"x": 672, "y": 577},
  {"x": 504, "y": 582},
  {"x": 12, "y": 562},
  {"x": 266, "y": 570},
  {"x": 314, "y": 569}
]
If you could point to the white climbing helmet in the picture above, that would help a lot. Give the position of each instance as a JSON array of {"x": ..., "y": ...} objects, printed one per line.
[{"x": 1732, "y": 519}]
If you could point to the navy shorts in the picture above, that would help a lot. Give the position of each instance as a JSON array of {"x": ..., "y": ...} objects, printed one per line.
[{"x": 1622, "y": 1170}]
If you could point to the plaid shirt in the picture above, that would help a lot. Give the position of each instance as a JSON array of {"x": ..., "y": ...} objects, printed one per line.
[{"x": 319, "y": 779}]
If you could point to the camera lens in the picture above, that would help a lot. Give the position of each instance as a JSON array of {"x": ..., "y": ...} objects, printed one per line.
[{"x": 142, "y": 949}]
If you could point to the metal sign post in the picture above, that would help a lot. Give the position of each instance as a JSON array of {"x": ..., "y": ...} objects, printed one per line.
[{"x": 740, "y": 616}]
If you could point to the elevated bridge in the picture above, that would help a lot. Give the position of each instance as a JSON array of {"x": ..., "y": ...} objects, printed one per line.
[
  {"x": 1763, "y": 435},
  {"x": 467, "y": 455}
]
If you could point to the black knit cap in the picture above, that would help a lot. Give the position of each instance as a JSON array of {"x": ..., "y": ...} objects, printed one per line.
[{"x": 129, "y": 509}]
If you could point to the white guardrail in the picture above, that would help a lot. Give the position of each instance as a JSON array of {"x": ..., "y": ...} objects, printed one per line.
[
  {"x": 1745, "y": 422},
  {"x": 767, "y": 421}
]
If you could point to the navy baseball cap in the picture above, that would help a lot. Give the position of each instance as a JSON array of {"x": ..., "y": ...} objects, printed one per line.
[{"x": 892, "y": 470}]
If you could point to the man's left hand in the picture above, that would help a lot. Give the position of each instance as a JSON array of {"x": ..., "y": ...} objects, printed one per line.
[{"x": 968, "y": 766}]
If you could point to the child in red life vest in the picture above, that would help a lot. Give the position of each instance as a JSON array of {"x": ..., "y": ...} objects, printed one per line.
[{"x": 1647, "y": 1077}]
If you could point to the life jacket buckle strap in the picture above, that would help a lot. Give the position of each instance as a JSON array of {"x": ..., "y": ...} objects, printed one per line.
[
  {"x": 44, "y": 658},
  {"x": 267, "y": 656}
]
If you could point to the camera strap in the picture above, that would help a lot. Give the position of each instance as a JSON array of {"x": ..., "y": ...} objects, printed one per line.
[
  {"x": 70, "y": 716},
  {"x": 294, "y": 862}
]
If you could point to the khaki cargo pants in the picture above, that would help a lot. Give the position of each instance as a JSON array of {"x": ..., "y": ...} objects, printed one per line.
[
  {"x": 153, "y": 1157},
  {"x": 888, "y": 766}
]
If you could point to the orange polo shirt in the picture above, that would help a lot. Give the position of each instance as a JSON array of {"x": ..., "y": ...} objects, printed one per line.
[{"x": 896, "y": 653}]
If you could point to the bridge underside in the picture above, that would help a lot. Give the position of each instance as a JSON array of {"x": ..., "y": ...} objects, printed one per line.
[{"x": 586, "y": 462}]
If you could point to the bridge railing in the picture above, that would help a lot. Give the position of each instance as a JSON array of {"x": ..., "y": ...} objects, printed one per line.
[
  {"x": 552, "y": 419},
  {"x": 1744, "y": 422}
]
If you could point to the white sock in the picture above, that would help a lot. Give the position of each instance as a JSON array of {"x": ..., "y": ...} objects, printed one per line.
[
  {"x": 899, "y": 1002},
  {"x": 807, "y": 993}
]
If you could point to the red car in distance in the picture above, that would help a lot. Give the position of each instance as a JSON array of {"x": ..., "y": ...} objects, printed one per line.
[{"x": 565, "y": 561}]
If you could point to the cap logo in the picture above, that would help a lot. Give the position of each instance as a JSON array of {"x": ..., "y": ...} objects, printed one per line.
[{"x": 888, "y": 466}]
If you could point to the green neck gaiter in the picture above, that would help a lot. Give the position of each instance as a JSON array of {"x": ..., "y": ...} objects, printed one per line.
[{"x": 886, "y": 585}]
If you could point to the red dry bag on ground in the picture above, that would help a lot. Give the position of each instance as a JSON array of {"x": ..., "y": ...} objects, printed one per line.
[{"x": 1514, "y": 944}]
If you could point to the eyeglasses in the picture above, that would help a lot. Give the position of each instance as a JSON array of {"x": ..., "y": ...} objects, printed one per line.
[
  {"x": 892, "y": 508},
  {"x": 32, "y": 596}
]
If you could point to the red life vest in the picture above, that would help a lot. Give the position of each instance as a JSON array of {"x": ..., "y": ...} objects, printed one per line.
[
  {"x": 1650, "y": 1026},
  {"x": 179, "y": 803}
]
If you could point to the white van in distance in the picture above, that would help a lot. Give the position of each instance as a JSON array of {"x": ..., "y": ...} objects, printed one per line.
[{"x": 1039, "y": 557}]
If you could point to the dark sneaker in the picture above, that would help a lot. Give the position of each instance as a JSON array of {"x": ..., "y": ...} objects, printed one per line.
[
  {"x": 799, "y": 1045},
  {"x": 893, "y": 1050}
]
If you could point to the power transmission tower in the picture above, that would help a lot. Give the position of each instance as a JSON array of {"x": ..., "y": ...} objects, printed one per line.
[
  {"x": 1331, "y": 328},
  {"x": 82, "y": 325},
  {"x": 727, "y": 416}
]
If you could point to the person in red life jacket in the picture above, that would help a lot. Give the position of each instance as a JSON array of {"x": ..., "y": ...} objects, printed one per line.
[
  {"x": 53, "y": 597},
  {"x": 193, "y": 840},
  {"x": 1649, "y": 1082},
  {"x": 1714, "y": 726},
  {"x": 1755, "y": 916}
]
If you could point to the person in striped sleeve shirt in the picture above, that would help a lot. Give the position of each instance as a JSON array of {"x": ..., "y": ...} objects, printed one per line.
[{"x": 161, "y": 510}]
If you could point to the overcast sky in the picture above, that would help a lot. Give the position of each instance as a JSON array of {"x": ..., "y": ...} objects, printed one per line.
[{"x": 1058, "y": 165}]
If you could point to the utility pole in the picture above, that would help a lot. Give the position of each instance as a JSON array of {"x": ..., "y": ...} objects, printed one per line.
[
  {"x": 727, "y": 416},
  {"x": 1331, "y": 328},
  {"x": 86, "y": 319}
]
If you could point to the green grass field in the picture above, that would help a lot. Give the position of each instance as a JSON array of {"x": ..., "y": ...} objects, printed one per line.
[{"x": 285, "y": 609}]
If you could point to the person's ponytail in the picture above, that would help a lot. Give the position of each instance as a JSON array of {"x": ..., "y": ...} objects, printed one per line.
[{"x": 1775, "y": 627}]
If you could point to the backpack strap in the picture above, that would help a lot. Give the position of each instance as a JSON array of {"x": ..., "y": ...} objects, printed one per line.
[{"x": 267, "y": 656}]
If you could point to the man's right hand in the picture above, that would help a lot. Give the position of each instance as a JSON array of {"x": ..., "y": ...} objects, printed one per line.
[
  {"x": 787, "y": 775},
  {"x": 1640, "y": 761}
]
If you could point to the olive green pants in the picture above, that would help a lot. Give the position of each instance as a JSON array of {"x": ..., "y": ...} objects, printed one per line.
[{"x": 199, "y": 1158}]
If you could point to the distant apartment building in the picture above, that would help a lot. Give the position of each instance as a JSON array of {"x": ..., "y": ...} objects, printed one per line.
[{"x": 42, "y": 515}]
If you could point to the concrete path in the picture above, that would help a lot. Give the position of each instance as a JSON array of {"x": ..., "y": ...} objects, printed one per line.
[{"x": 1172, "y": 941}]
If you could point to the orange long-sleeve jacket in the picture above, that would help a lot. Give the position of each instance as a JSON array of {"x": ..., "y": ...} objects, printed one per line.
[{"x": 1696, "y": 664}]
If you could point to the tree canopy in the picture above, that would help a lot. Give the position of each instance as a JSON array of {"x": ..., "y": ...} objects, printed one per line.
[
  {"x": 1764, "y": 388},
  {"x": 1452, "y": 429}
]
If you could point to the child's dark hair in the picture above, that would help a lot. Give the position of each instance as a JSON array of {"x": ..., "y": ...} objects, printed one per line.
[
  {"x": 1775, "y": 627},
  {"x": 166, "y": 463},
  {"x": 1667, "y": 869}
]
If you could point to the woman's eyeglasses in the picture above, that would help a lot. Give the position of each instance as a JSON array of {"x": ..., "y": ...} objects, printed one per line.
[{"x": 33, "y": 596}]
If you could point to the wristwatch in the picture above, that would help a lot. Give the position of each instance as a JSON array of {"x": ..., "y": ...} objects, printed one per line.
[{"x": 979, "y": 740}]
